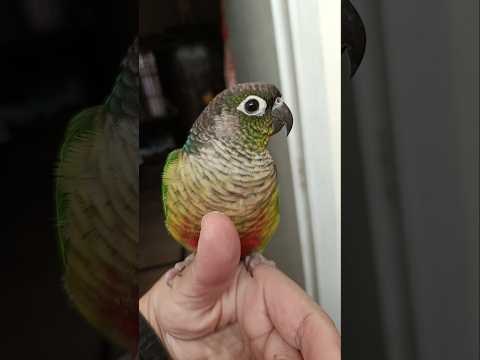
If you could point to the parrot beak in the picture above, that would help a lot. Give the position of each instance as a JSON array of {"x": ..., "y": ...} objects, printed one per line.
[
  {"x": 281, "y": 116},
  {"x": 353, "y": 36}
]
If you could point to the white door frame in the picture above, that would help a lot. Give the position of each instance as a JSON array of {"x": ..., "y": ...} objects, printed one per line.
[{"x": 307, "y": 38}]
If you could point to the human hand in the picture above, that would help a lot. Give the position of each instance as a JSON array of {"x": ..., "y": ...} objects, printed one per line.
[{"x": 215, "y": 309}]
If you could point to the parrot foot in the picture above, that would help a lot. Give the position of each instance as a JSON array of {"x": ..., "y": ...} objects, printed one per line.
[
  {"x": 177, "y": 269},
  {"x": 255, "y": 259}
]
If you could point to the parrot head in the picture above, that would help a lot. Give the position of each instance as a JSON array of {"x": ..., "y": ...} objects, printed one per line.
[{"x": 248, "y": 113}]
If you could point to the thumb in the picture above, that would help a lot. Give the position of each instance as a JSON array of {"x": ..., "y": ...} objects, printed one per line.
[
  {"x": 215, "y": 263},
  {"x": 180, "y": 309}
]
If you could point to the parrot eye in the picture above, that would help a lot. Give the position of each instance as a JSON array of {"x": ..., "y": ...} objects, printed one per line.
[{"x": 253, "y": 106}]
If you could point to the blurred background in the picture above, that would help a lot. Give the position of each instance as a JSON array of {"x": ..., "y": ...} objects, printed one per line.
[
  {"x": 57, "y": 58},
  {"x": 410, "y": 157}
]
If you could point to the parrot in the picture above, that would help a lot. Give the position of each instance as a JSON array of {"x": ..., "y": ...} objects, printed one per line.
[
  {"x": 224, "y": 165},
  {"x": 96, "y": 193}
]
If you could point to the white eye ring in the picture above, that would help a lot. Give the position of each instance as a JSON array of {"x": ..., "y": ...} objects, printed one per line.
[
  {"x": 278, "y": 103},
  {"x": 254, "y": 111}
]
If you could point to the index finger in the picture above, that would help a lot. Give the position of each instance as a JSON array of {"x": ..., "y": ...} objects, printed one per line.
[{"x": 300, "y": 321}]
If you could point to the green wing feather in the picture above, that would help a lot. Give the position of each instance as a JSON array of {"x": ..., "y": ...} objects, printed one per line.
[
  {"x": 171, "y": 161},
  {"x": 80, "y": 129}
]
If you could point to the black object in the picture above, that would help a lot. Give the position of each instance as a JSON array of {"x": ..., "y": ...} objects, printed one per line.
[
  {"x": 190, "y": 67},
  {"x": 149, "y": 346},
  {"x": 354, "y": 37}
]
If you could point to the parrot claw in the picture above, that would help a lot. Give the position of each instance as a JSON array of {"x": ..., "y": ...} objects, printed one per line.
[
  {"x": 255, "y": 259},
  {"x": 177, "y": 269}
]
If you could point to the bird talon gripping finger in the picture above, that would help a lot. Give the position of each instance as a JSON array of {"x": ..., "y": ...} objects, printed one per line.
[
  {"x": 178, "y": 269},
  {"x": 255, "y": 259}
]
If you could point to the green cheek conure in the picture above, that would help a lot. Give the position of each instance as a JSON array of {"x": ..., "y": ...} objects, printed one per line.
[
  {"x": 225, "y": 166},
  {"x": 97, "y": 209}
]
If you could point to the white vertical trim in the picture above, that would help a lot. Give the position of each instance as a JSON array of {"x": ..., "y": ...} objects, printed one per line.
[
  {"x": 286, "y": 70},
  {"x": 307, "y": 35}
]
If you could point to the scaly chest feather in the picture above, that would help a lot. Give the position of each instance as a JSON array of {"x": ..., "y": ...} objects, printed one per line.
[{"x": 242, "y": 187}]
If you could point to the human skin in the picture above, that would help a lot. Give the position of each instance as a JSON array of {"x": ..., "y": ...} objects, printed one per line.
[{"x": 216, "y": 309}]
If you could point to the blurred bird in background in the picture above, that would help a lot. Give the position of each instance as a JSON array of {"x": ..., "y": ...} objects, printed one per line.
[{"x": 97, "y": 209}]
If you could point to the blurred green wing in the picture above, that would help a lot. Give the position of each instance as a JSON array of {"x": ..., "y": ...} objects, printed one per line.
[
  {"x": 170, "y": 163},
  {"x": 80, "y": 130}
]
